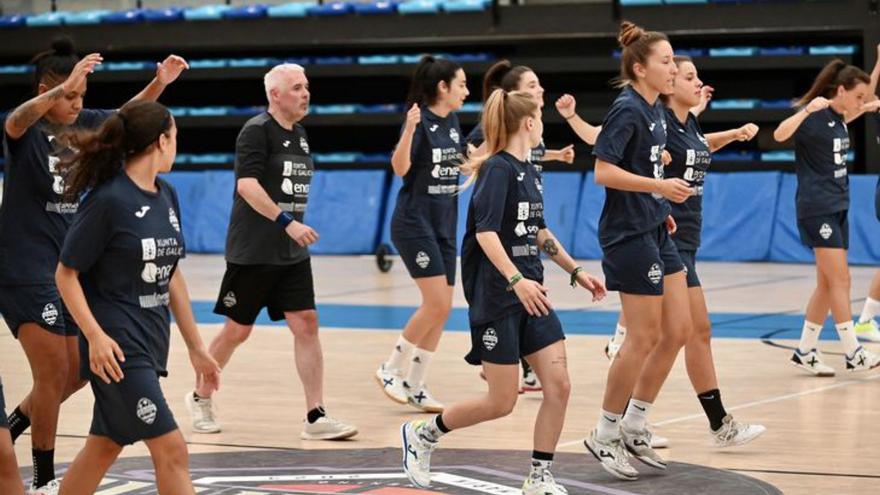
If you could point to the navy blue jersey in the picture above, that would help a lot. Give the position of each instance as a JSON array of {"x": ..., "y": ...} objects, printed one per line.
[
  {"x": 126, "y": 243},
  {"x": 691, "y": 158},
  {"x": 507, "y": 199},
  {"x": 427, "y": 205},
  {"x": 34, "y": 217},
  {"x": 633, "y": 137},
  {"x": 281, "y": 162},
  {"x": 476, "y": 138},
  {"x": 821, "y": 144}
]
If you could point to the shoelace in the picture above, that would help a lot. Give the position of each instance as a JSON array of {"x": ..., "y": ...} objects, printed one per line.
[{"x": 206, "y": 409}]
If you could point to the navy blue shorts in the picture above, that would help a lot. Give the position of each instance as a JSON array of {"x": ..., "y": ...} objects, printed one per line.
[
  {"x": 512, "y": 337},
  {"x": 247, "y": 289},
  {"x": 638, "y": 264},
  {"x": 40, "y": 304},
  {"x": 131, "y": 410},
  {"x": 825, "y": 231},
  {"x": 689, "y": 260},
  {"x": 428, "y": 257},
  {"x": 3, "y": 422}
]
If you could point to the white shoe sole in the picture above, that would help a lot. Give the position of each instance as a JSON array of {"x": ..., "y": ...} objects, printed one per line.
[
  {"x": 425, "y": 409},
  {"x": 868, "y": 337},
  {"x": 405, "y": 445},
  {"x": 647, "y": 460},
  {"x": 658, "y": 442},
  {"x": 329, "y": 436},
  {"x": 385, "y": 391},
  {"x": 613, "y": 472},
  {"x": 811, "y": 371},
  {"x": 743, "y": 441},
  {"x": 189, "y": 408}
]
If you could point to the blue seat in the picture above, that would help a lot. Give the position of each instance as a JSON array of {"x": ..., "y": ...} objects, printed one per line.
[
  {"x": 209, "y": 63},
  {"x": 16, "y": 69},
  {"x": 381, "y": 7},
  {"x": 374, "y": 158},
  {"x": 378, "y": 59},
  {"x": 410, "y": 59},
  {"x": 304, "y": 61},
  {"x": 87, "y": 17},
  {"x": 736, "y": 156},
  {"x": 776, "y": 104},
  {"x": 778, "y": 51},
  {"x": 257, "y": 11},
  {"x": 691, "y": 52},
  {"x": 633, "y": 3},
  {"x": 343, "y": 60},
  {"x": 463, "y": 58},
  {"x": 168, "y": 14},
  {"x": 454, "y": 6},
  {"x": 247, "y": 111},
  {"x": 46, "y": 19},
  {"x": 179, "y": 111},
  {"x": 334, "y": 109},
  {"x": 13, "y": 21},
  {"x": 217, "y": 111},
  {"x": 735, "y": 104},
  {"x": 212, "y": 158},
  {"x": 295, "y": 9},
  {"x": 131, "y": 65},
  {"x": 415, "y": 7},
  {"x": 734, "y": 51},
  {"x": 331, "y": 9},
  {"x": 380, "y": 108},
  {"x": 471, "y": 107},
  {"x": 833, "y": 50},
  {"x": 684, "y": 2},
  {"x": 777, "y": 156},
  {"x": 252, "y": 62},
  {"x": 205, "y": 13},
  {"x": 131, "y": 16}
]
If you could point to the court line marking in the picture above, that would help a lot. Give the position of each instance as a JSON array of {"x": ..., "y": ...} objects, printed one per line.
[
  {"x": 807, "y": 473},
  {"x": 769, "y": 400}
]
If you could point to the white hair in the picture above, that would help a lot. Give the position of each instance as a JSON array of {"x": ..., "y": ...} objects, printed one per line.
[{"x": 275, "y": 76}]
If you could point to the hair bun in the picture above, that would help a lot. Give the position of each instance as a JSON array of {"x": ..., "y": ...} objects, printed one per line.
[
  {"x": 62, "y": 46},
  {"x": 629, "y": 33},
  {"x": 427, "y": 59}
]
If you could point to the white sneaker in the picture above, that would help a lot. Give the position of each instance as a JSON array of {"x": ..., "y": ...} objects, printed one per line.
[
  {"x": 868, "y": 331},
  {"x": 638, "y": 443},
  {"x": 421, "y": 399},
  {"x": 327, "y": 428},
  {"x": 732, "y": 434},
  {"x": 862, "y": 360},
  {"x": 416, "y": 454},
  {"x": 391, "y": 382},
  {"x": 530, "y": 382},
  {"x": 614, "y": 345},
  {"x": 811, "y": 362},
  {"x": 50, "y": 488},
  {"x": 201, "y": 412},
  {"x": 657, "y": 441},
  {"x": 612, "y": 456},
  {"x": 542, "y": 484}
]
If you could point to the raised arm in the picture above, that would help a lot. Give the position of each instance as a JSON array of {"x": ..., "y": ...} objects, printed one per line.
[
  {"x": 789, "y": 126},
  {"x": 567, "y": 107},
  {"x": 166, "y": 73},
  {"x": 401, "y": 159},
  {"x": 718, "y": 140}
]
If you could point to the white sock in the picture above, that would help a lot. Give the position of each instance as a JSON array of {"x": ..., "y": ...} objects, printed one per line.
[
  {"x": 608, "y": 427},
  {"x": 619, "y": 334},
  {"x": 847, "y": 337},
  {"x": 809, "y": 336},
  {"x": 871, "y": 309},
  {"x": 636, "y": 415},
  {"x": 400, "y": 354},
  {"x": 418, "y": 367}
]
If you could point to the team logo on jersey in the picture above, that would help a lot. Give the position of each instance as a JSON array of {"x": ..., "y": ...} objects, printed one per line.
[
  {"x": 433, "y": 128},
  {"x": 438, "y": 172},
  {"x": 691, "y": 157},
  {"x": 703, "y": 139},
  {"x": 142, "y": 212},
  {"x": 436, "y": 155},
  {"x": 229, "y": 299},
  {"x": 651, "y": 126},
  {"x": 539, "y": 185},
  {"x": 287, "y": 168},
  {"x": 172, "y": 219},
  {"x": 825, "y": 231},
  {"x": 50, "y": 314},
  {"x": 655, "y": 153},
  {"x": 287, "y": 186},
  {"x": 304, "y": 144},
  {"x": 146, "y": 410},
  {"x": 285, "y": 143},
  {"x": 149, "y": 272},
  {"x": 148, "y": 248},
  {"x": 831, "y": 124},
  {"x": 453, "y": 135},
  {"x": 522, "y": 210},
  {"x": 490, "y": 339},
  {"x": 521, "y": 229},
  {"x": 655, "y": 274},
  {"x": 423, "y": 260},
  {"x": 521, "y": 176}
]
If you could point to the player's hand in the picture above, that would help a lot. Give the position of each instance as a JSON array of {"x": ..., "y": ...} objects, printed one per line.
[
  {"x": 302, "y": 233},
  {"x": 671, "y": 226},
  {"x": 413, "y": 117},
  {"x": 592, "y": 284},
  {"x": 746, "y": 132},
  {"x": 666, "y": 158},
  {"x": 566, "y": 154},
  {"x": 566, "y": 105},
  {"x": 818, "y": 103},
  {"x": 104, "y": 358},
  {"x": 674, "y": 189},
  {"x": 206, "y": 367},
  {"x": 170, "y": 69},
  {"x": 533, "y": 296},
  {"x": 81, "y": 71}
]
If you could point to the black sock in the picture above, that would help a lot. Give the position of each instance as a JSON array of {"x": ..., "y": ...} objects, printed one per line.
[
  {"x": 316, "y": 414},
  {"x": 44, "y": 467},
  {"x": 711, "y": 402},
  {"x": 18, "y": 423},
  {"x": 525, "y": 367},
  {"x": 542, "y": 456},
  {"x": 438, "y": 420}
]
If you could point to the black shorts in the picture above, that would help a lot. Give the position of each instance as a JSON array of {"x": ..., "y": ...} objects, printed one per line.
[
  {"x": 825, "y": 231},
  {"x": 3, "y": 422},
  {"x": 689, "y": 260},
  {"x": 247, "y": 289},
  {"x": 512, "y": 337},
  {"x": 131, "y": 410},
  {"x": 638, "y": 264},
  {"x": 428, "y": 257},
  {"x": 40, "y": 304}
]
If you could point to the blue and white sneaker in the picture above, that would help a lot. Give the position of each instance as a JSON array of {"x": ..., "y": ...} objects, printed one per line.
[
  {"x": 862, "y": 360},
  {"x": 416, "y": 454},
  {"x": 811, "y": 362}
]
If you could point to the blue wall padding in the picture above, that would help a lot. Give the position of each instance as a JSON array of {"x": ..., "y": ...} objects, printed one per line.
[
  {"x": 393, "y": 189},
  {"x": 738, "y": 214},
  {"x": 344, "y": 208},
  {"x": 586, "y": 231},
  {"x": 561, "y": 193},
  {"x": 864, "y": 229},
  {"x": 190, "y": 191},
  {"x": 785, "y": 245}
]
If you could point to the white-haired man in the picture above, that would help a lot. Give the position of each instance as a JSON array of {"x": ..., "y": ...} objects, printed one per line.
[{"x": 267, "y": 257}]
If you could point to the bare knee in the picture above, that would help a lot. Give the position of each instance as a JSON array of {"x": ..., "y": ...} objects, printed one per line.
[
  {"x": 676, "y": 335},
  {"x": 702, "y": 332},
  {"x": 304, "y": 324},
  {"x": 235, "y": 333},
  {"x": 502, "y": 405},
  {"x": 643, "y": 342},
  {"x": 173, "y": 455},
  {"x": 558, "y": 390}
]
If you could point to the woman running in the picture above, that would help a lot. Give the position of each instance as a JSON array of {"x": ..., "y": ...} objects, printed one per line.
[
  {"x": 119, "y": 275},
  {"x": 510, "y": 315},
  {"x": 423, "y": 226}
]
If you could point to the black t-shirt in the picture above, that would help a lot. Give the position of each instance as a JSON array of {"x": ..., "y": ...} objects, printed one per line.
[
  {"x": 427, "y": 205},
  {"x": 476, "y": 138},
  {"x": 507, "y": 199},
  {"x": 126, "y": 243},
  {"x": 690, "y": 161},
  {"x": 821, "y": 144},
  {"x": 34, "y": 217},
  {"x": 279, "y": 159},
  {"x": 633, "y": 137}
]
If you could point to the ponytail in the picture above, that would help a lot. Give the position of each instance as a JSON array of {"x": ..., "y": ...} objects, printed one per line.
[
  {"x": 502, "y": 75},
  {"x": 502, "y": 116},
  {"x": 637, "y": 45},
  {"x": 428, "y": 74},
  {"x": 129, "y": 132},
  {"x": 836, "y": 73},
  {"x": 52, "y": 66}
]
